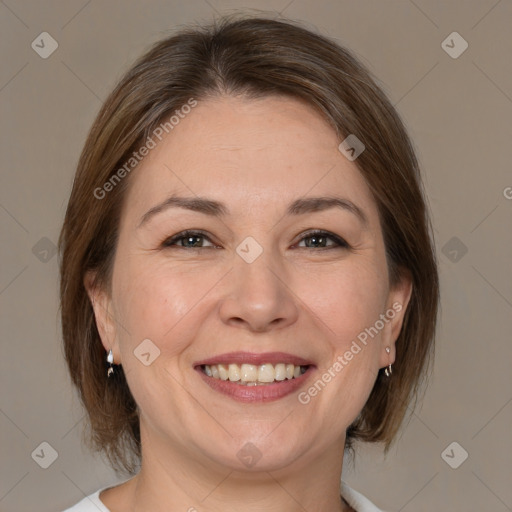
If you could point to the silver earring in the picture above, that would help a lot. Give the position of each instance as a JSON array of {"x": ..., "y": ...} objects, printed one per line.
[
  {"x": 388, "y": 371},
  {"x": 110, "y": 361}
]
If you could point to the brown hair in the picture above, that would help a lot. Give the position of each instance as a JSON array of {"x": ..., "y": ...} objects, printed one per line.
[{"x": 253, "y": 57}]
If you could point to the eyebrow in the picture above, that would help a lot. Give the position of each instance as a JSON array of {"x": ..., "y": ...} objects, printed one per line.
[{"x": 216, "y": 209}]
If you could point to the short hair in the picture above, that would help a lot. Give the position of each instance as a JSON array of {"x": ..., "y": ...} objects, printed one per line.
[{"x": 251, "y": 57}]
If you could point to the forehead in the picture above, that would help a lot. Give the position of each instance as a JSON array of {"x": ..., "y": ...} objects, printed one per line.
[{"x": 247, "y": 151}]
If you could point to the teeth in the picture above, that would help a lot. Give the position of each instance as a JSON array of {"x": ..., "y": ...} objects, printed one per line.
[
  {"x": 223, "y": 372},
  {"x": 233, "y": 372},
  {"x": 249, "y": 373},
  {"x": 252, "y": 375},
  {"x": 266, "y": 373},
  {"x": 280, "y": 370}
]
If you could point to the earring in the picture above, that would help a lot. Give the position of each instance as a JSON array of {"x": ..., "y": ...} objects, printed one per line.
[
  {"x": 388, "y": 371},
  {"x": 110, "y": 361}
]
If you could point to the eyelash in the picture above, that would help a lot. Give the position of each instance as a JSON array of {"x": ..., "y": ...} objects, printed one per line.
[{"x": 340, "y": 243}]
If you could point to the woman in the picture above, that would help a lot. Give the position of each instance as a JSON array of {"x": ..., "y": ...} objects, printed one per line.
[{"x": 248, "y": 279}]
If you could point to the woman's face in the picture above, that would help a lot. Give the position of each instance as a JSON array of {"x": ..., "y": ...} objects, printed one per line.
[{"x": 250, "y": 286}]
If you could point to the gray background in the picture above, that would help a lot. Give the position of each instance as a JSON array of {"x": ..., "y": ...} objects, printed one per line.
[{"x": 459, "y": 113}]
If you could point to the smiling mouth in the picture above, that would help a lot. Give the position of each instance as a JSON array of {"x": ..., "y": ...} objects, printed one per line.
[{"x": 254, "y": 375}]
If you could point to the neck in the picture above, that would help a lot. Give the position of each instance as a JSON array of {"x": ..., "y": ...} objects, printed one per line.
[{"x": 171, "y": 479}]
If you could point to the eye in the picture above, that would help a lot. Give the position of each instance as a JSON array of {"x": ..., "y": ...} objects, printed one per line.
[
  {"x": 318, "y": 239},
  {"x": 190, "y": 239}
]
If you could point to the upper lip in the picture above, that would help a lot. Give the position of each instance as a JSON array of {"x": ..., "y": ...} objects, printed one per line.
[{"x": 255, "y": 359}]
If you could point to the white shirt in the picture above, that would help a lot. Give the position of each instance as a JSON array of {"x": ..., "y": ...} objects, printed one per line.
[{"x": 356, "y": 500}]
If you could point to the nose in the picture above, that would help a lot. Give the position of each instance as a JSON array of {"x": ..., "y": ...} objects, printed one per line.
[{"x": 259, "y": 296}]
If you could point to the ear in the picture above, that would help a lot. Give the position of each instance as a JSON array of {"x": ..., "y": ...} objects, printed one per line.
[
  {"x": 101, "y": 302},
  {"x": 398, "y": 301}
]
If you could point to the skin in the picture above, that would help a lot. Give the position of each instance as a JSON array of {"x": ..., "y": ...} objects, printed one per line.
[{"x": 256, "y": 156}]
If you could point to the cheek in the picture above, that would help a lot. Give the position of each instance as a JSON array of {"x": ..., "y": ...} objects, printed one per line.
[
  {"x": 156, "y": 301},
  {"x": 347, "y": 301},
  {"x": 168, "y": 303}
]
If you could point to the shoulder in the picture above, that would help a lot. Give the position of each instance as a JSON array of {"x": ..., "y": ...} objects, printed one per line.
[
  {"x": 356, "y": 500},
  {"x": 91, "y": 503}
]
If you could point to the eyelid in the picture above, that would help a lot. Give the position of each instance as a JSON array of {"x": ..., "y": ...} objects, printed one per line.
[
  {"x": 171, "y": 240},
  {"x": 339, "y": 241}
]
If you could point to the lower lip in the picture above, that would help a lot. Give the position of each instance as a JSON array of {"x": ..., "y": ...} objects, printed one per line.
[{"x": 263, "y": 393}]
